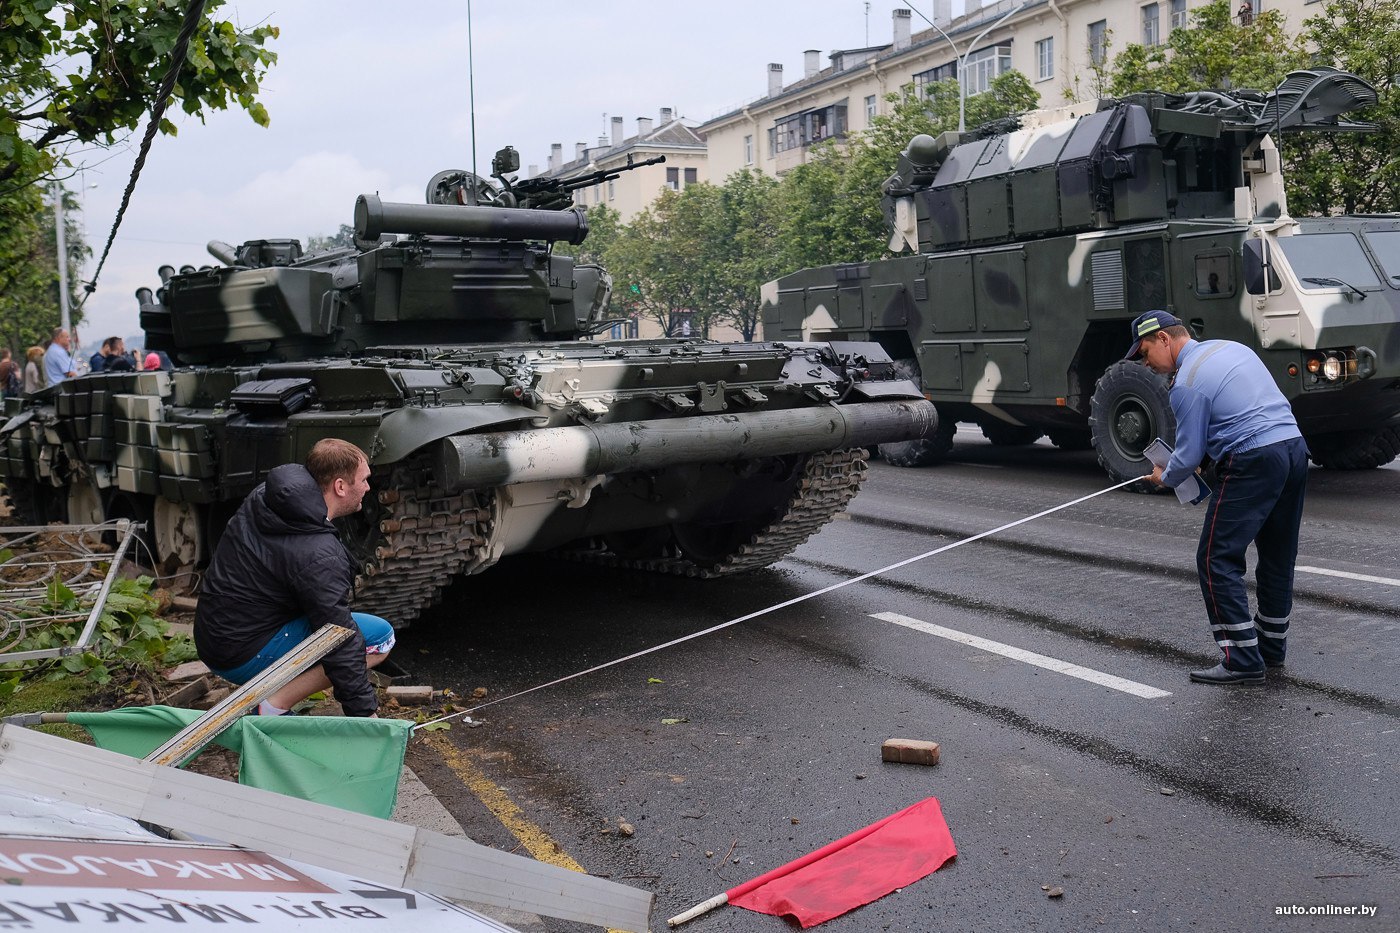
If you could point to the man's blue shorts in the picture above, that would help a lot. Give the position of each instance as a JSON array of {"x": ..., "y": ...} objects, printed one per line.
[{"x": 377, "y": 632}]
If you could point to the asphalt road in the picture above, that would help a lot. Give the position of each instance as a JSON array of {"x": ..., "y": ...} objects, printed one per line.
[{"x": 1206, "y": 808}]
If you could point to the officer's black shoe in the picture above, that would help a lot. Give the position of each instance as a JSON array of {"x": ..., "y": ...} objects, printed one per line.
[{"x": 1220, "y": 674}]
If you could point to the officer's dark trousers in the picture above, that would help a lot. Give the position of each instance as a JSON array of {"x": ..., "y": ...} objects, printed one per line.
[{"x": 1259, "y": 498}]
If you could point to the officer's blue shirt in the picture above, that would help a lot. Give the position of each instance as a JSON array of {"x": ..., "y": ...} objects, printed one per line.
[
  {"x": 1225, "y": 402},
  {"x": 57, "y": 364}
]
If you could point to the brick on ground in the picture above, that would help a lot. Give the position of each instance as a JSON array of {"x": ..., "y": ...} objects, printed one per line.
[{"x": 910, "y": 751}]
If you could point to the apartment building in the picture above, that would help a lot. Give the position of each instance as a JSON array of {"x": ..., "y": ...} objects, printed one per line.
[
  {"x": 1054, "y": 43},
  {"x": 630, "y": 192}
]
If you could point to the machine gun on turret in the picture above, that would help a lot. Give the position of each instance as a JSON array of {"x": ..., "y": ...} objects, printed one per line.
[
  {"x": 460, "y": 187},
  {"x": 552, "y": 194}
]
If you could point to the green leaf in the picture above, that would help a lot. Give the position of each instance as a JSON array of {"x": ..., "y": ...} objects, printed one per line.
[
  {"x": 655, "y": 680},
  {"x": 435, "y": 727}
]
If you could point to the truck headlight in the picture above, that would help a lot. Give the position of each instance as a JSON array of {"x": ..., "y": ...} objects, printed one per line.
[{"x": 1330, "y": 366}]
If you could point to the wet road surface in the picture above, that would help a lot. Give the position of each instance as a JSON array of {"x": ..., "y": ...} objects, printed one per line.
[{"x": 1153, "y": 803}]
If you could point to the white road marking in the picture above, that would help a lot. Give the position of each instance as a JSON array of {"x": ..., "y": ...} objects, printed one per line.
[
  {"x": 1364, "y": 578},
  {"x": 1029, "y": 657}
]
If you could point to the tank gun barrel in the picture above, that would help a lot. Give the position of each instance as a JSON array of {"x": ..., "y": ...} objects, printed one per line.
[
  {"x": 478, "y": 460},
  {"x": 374, "y": 217}
]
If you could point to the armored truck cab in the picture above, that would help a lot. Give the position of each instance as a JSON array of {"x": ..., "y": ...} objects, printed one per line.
[{"x": 1035, "y": 244}]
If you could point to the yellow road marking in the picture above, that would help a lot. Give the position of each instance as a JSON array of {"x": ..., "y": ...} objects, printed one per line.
[{"x": 535, "y": 840}]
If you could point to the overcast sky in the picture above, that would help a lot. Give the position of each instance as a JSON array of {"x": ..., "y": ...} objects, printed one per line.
[{"x": 375, "y": 97}]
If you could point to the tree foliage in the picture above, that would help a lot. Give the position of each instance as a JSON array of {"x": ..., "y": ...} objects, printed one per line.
[
  {"x": 1214, "y": 52},
  {"x": 1352, "y": 173},
  {"x": 87, "y": 71},
  {"x": 29, "y": 268}
]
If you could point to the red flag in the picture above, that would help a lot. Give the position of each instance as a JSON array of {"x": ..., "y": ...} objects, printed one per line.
[{"x": 862, "y": 867}]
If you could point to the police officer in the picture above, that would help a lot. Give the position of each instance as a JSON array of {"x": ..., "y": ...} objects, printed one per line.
[{"x": 1229, "y": 409}]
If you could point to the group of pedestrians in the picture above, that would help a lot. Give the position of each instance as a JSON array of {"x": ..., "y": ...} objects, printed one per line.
[{"x": 53, "y": 363}]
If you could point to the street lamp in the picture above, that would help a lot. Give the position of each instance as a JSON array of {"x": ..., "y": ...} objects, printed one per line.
[
  {"x": 962, "y": 60},
  {"x": 58, "y": 223}
]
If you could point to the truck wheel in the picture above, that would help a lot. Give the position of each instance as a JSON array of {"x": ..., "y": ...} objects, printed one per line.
[
  {"x": 1070, "y": 439},
  {"x": 1002, "y": 434},
  {"x": 1354, "y": 450},
  {"x": 922, "y": 451},
  {"x": 1129, "y": 408}
]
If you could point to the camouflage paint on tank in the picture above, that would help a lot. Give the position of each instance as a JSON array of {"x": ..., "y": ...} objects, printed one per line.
[{"x": 467, "y": 324}]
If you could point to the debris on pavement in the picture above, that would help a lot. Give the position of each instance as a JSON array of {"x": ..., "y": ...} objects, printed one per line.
[{"x": 909, "y": 751}]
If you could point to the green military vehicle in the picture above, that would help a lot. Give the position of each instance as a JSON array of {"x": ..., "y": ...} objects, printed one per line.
[
  {"x": 461, "y": 353},
  {"x": 1036, "y": 241}
]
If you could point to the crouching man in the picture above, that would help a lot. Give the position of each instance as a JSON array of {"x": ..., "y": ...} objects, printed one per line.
[{"x": 280, "y": 573}]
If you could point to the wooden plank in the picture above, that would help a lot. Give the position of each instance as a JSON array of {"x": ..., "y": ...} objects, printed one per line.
[
  {"x": 185, "y": 744},
  {"x": 369, "y": 848}
]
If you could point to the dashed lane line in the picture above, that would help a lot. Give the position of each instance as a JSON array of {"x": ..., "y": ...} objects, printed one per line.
[
  {"x": 1028, "y": 657},
  {"x": 1346, "y": 575}
]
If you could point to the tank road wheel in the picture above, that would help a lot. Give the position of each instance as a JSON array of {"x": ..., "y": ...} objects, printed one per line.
[
  {"x": 707, "y": 546},
  {"x": 922, "y": 451},
  {"x": 1129, "y": 409},
  {"x": 1002, "y": 434},
  {"x": 85, "y": 505},
  {"x": 178, "y": 532},
  {"x": 1355, "y": 450},
  {"x": 1070, "y": 439}
]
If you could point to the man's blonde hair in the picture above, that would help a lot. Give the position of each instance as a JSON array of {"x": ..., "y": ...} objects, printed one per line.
[{"x": 331, "y": 459}]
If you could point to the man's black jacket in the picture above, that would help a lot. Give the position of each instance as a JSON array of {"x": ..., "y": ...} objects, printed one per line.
[{"x": 280, "y": 559}]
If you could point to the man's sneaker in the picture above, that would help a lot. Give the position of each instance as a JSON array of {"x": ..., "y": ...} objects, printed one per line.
[{"x": 1220, "y": 674}]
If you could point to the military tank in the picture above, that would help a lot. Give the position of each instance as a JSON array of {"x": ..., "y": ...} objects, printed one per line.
[
  {"x": 457, "y": 348},
  {"x": 1032, "y": 242}
]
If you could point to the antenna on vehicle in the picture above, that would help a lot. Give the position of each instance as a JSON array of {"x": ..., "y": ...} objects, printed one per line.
[{"x": 471, "y": 94}]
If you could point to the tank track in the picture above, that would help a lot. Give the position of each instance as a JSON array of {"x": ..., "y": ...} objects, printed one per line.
[
  {"x": 426, "y": 539},
  {"x": 829, "y": 481}
]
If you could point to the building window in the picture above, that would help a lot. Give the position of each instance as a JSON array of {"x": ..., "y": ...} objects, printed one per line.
[
  {"x": 691, "y": 176},
  {"x": 933, "y": 76},
  {"x": 984, "y": 65},
  {"x": 748, "y": 150},
  {"x": 612, "y": 189},
  {"x": 1098, "y": 42},
  {"x": 1178, "y": 14},
  {"x": 1151, "y": 34},
  {"x": 673, "y": 179},
  {"x": 798, "y": 130},
  {"x": 1045, "y": 59},
  {"x": 870, "y": 109}
]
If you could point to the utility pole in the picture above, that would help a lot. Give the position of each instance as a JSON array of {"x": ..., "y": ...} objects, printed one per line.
[{"x": 59, "y": 225}]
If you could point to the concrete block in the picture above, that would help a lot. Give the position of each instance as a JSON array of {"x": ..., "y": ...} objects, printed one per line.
[
  {"x": 186, "y": 671},
  {"x": 410, "y": 694},
  {"x": 910, "y": 751}
]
